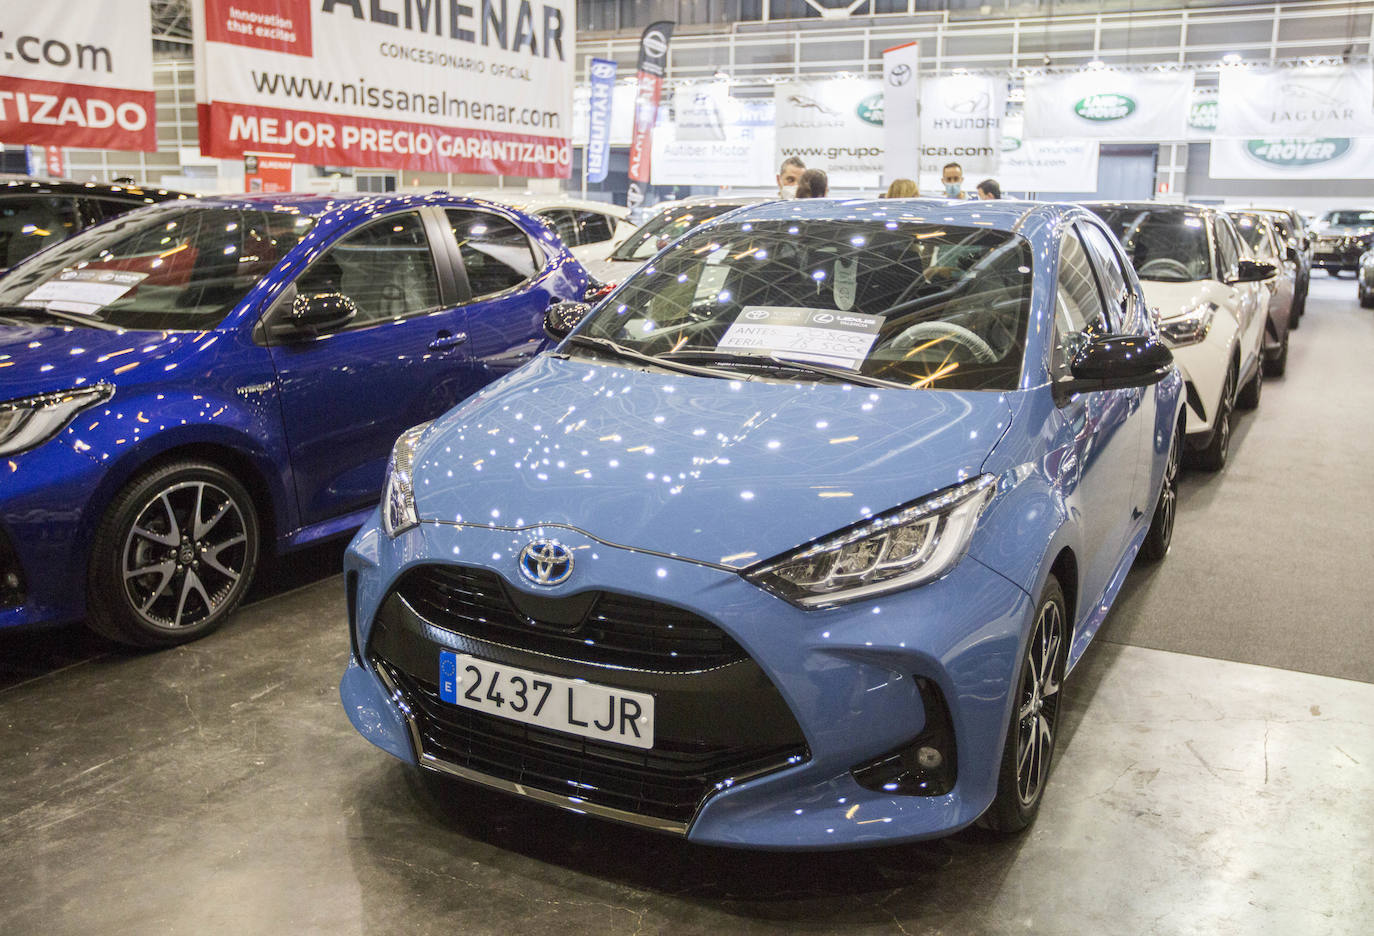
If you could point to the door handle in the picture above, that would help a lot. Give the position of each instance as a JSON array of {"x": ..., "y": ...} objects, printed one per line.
[{"x": 445, "y": 341}]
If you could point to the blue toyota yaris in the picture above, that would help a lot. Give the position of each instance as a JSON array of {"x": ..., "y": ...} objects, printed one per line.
[
  {"x": 198, "y": 383},
  {"x": 792, "y": 541}
]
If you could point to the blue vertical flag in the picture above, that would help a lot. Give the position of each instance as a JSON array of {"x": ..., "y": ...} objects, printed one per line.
[{"x": 602, "y": 72}]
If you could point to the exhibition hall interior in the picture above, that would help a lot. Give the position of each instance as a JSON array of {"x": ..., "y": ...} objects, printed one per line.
[{"x": 702, "y": 467}]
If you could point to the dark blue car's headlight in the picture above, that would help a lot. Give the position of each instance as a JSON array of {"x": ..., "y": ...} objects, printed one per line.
[
  {"x": 904, "y": 547},
  {"x": 398, "y": 499},
  {"x": 29, "y": 422}
]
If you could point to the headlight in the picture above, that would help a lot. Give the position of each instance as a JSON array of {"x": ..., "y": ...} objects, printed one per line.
[
  {"x": 398, "y": 500},
  {"x": 27, "y": 423},
  {"x": 905, "y": 547},
  {"x": 1190, "y": 327}
]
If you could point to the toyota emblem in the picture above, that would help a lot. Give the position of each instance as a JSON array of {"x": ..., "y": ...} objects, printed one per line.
[
  {"x": 899, "y": 75},
  {"x": 546, "y": 562}
]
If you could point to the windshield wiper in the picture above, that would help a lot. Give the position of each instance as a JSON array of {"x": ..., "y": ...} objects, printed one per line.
[
  {"x": 34, "y": 312},
  {"x": 619, "y": 350},
  {"x": 774, "y": 362}
]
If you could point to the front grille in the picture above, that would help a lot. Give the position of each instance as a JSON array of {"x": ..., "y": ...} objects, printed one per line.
[
  {"x": 11, "y": 575},
  {"x": 591, "y": 627},
  {"x": 668, "y": 782}
]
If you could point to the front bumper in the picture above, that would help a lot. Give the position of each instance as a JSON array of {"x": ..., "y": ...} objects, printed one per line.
[
  {"x": 1340, "y": 255},
  {"x": 44, "y": 496},
  {"x": 846, "y": 679},
  {"x": 1204, "y": 367}
]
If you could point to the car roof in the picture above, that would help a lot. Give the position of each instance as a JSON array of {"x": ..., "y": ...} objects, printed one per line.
[
  {"x": 999, "y": 214},
  {"x": 534, "y": 201},
  {"x": 130, "y": 193},
  {"x": 345, "y": 204},
  {"x": 735, "y": 200}
]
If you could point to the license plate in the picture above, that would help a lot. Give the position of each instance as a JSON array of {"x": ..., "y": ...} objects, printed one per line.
[{"x": 574, "y": 706}]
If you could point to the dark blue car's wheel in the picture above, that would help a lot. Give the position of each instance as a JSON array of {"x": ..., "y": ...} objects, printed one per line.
[
  {"x": 173, "y": 556},
  {"x": 1028, "y": 752},
  {"x": 1161, "y": 532}
]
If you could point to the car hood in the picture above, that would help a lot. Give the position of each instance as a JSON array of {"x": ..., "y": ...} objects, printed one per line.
[
  {"x": 720, "y": 471},
  {"x": 611, "y": 271},
  {"x": 1174, "y": 299},
  {"x": 38, "y": 358}
]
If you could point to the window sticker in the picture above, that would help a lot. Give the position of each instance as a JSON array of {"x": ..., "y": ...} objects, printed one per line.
[
  {"x": 837, "y": 339},
  {"x": 846, "y": 283},
  {"x": 83, "y": 291}
]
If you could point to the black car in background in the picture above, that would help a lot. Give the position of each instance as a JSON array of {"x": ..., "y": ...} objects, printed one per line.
[
  {"x": 36, "y": 213},
  {"x": 1292, "y": 227},
  {"x": 1340, "y": 237}
]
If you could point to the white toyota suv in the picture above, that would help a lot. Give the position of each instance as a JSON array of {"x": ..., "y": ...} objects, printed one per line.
[{"x": 1212, "y": 309}]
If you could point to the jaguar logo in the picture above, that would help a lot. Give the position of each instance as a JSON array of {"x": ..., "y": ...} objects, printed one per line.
[
  {"x": 546, "y": 562},
  {"x": 1293, "y": 153},
  {"x": 1104, "y": 107}
]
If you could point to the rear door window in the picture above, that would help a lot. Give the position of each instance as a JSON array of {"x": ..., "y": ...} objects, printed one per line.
[{"x": 497, "y": 254}]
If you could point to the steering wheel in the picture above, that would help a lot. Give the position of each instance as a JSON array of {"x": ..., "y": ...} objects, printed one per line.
[
  {"x": 929, "y": 331},
  {"x": 1165, "y": 265}
]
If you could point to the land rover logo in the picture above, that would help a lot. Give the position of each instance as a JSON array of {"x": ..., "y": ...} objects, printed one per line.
[
  {"x": 1295, "y": 153},
  {"x": 1010, "y": 144},
  {"x": 1203, "y": 115},
  {"x": 546, "y": 562},
  {"x": 1104, "y": 107},
  {"x": 870, "y": 109}
]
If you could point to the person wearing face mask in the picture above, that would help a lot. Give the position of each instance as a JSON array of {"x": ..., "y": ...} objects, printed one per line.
[
  {"x": 789, "y": 174},
  {"x": 953, "y": 178}
]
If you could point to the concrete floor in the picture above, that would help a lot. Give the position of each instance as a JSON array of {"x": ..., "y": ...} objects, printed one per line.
[{"x": 218, "y": 788}]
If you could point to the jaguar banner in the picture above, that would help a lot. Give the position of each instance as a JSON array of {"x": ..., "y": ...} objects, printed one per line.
[
  {"x": 652, "y": 68},
  {"x": 1292, "y": 158},
  {"x": 961, "y": 121},
  {"x": 1318, "y": 101},
  {"x": 834, "y": 124},
  {"x": 481, "y": 87},
  {"x": 75, "y": 73},
  {"x": 1108, "y": 104}
]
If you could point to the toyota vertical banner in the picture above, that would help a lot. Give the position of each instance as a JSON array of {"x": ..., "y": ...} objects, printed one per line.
[
  {"x": 901, "y": 113},
  {"x": 600, "y": 94},
  {"x": 480, "y": 87},
  {"x": 72, "y": 76},
  {"x": 653, "y": 65}
]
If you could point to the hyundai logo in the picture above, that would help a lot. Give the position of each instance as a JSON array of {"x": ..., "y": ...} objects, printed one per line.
[{"x": 546, "y": 562}]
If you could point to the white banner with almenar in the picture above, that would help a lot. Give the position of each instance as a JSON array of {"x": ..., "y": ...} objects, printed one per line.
[{"x": 1108, "y": 104}]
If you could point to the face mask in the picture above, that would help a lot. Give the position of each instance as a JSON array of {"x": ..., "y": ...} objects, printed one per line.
[
  {"x": 952, "y": 189},
  {"x": 789, "y": 191}
]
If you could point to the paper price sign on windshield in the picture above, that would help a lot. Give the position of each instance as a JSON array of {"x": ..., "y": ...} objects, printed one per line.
[
  {"x": 83, "y": 291},
  {"x": 839, "y": 339}
]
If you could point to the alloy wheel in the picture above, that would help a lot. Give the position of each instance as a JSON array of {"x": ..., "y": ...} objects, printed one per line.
[
  {"x": 184, "y": 554},
  {"x": 1168, "y": 498},
  {"x": 1038, "y": 703},
  {"x": 1228, "y": 402}
]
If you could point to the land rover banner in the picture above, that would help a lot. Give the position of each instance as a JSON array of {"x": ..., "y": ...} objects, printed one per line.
[
  {"x": 77, "y": 73},
  {"x": 1317, "y": 101},
  {"x": 1293, "y": 158},
  {"x": 961, "y": 121},
  {"x": 480, "y": 87},
  {"x": 1106, "y": 104},
  {"x": 835, "y": 125}
]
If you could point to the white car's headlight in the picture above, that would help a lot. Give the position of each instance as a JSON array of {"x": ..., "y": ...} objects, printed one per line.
[
  {"x": 28, "y": 423},
  {"x": 1191, "y": 327},
  {"x": 398, "y": 499},
  {"x": 902, "y": 548}
]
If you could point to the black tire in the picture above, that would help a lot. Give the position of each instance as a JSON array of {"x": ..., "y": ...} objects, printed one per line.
[
  {"x": 1278, "y": 364},
  {"x": 1037, "y": 701},
  {"x": 1249, "y": 396},
  {"x": 1295, "y": 313},
  {"x": 1161, "y": 532},
  {"x": 1213, "y": 456},
  {"x": 192, "y": 579},
  {"x": 1333, "y": 273},
  {"x": 1366, "y": 298}
]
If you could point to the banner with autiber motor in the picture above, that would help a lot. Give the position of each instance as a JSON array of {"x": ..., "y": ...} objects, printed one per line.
[
  {"x": 834, "y": 124},
  {"x": 71, "y": 75},
  {"x": 1310, "y": 101},
  {"x": 715, "y": 138},
  {"x": 1108, "y": 104},
  {"x": 481, "y": 87}
]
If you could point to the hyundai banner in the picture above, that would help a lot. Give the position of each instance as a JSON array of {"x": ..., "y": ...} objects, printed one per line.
[
  {"x": 1046, "y": 165},
  {"x": 961, "y": 121},
  {"x": 1292, "y": 158},
  {"x": 75, "y": 73},
  {"x": 484, "y": 87},
  {"x": 1107, "y": 104},
  {"x": 651, "y": 69},
  {"x": 1317, "y": 101},
  {"x": 835, "y": 125},
  {"x": 715, "y": 138},
  {"x": 601, "y": 93},
  {"x": 901, "y": 112}
]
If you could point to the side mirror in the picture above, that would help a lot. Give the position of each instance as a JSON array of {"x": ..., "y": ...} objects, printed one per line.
[
  {"x": 1253, "y": 271},
  {"x": 1114, "y": 362},
  {"x": 1294, "y": 255},
  {"x": 563, "y": 317},
  {"x": 323, "y": 312}
]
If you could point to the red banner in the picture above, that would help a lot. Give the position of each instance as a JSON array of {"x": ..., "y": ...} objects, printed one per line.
[
  {"x": 50, "y": 112},
  {"x": 278, "y": 26},
  {"x": 332, "y": 139}
]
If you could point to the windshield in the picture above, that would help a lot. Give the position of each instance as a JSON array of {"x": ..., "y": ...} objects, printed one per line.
[
  {"x": 1164, "y": 244},
  {"x": 918, "y": 304},
  {"x": 1349, "y": 218},
  {"x": 664, "y": 228},
  {"x": 1252, "y": 232},
  {"x": 175, "y": 267}
]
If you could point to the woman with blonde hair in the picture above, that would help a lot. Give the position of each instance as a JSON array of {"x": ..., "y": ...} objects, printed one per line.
[{"x": 902, "y": 188}]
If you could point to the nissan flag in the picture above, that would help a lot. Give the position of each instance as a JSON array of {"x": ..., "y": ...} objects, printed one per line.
[
  {"x": 652, "y": 67},
  {"x": 69, "y": 78},
  {"x": 601, "y": 92},
  {"x": 901, "y": 112}
]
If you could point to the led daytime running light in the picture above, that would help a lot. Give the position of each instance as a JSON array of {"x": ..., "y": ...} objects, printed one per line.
[{"x": 28, "y": 423}]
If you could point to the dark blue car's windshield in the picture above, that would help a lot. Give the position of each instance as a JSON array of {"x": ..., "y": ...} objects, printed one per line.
[
  {"x": 916, "y": 303},
  {"x": 176, "y": 267}
]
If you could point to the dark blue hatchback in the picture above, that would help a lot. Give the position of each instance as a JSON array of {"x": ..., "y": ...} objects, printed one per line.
[{"x": 198, "y": 383}]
